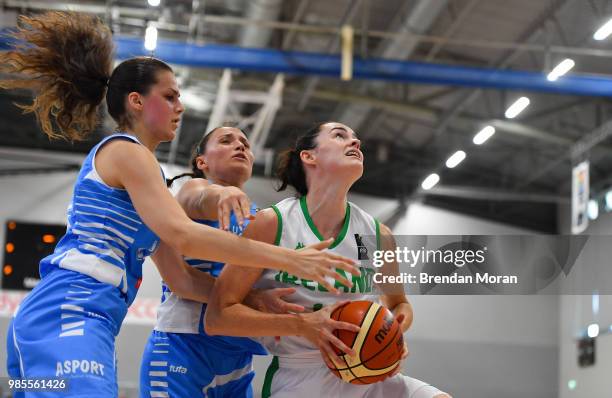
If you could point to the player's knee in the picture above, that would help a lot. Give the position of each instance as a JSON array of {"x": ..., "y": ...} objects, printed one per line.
[{"x": 442, "y": 396}]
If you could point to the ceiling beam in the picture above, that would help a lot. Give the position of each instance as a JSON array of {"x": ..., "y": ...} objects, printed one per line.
[
  {"x": 417, "y": 21},
  {"x": 477, "y": 193},
  {"x": 150, "y": 13}
]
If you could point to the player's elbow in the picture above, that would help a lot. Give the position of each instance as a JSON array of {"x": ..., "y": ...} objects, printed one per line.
[
  {"x": 211, "y": 321},
  {"x": 217, "y": 320},
  {"x": 179, "y": 287}
]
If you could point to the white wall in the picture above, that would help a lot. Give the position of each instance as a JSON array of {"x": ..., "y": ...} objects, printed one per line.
[
  {"x": 576, "y": 313},
  {"x": 421, "y": 219},
  {"x": 471, "y": 346}
]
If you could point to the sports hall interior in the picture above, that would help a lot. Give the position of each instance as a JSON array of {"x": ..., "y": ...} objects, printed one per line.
[{"x": 419, "y": 81}]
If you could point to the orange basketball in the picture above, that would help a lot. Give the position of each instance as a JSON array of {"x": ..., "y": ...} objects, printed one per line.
[{"x": 378, "y": 345}]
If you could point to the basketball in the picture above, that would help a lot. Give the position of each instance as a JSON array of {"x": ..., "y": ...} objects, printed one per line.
[{"x": 378, "y": 345}]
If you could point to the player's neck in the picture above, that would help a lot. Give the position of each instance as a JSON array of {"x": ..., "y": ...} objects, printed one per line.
[
  {"x": 138, "y": 131},
  {"x": 327, "y": 208},
  {"x": 226, "y": 183}
]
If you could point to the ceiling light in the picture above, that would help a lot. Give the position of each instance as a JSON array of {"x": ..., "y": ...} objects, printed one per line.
[
  {"x": 151, "y": 38},
  {"x": 595, "y": 303},
  {"x": 430, "y": 181},
  {"x": 484, "y": 135},
  {"x": 593, "y": 330},
  {"x": 455, "y": 159},
  {"x": 154, "y": 3},
  {"x": 593, "y": 209},
  {"x": 604, "y": 31},
  {"x": 561, "y": 69},
  {"x": 516, "y": 108},
  {"x": 609, "y": 200}
]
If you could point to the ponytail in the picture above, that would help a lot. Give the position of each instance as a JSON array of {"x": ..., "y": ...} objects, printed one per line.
[
  {"x": 195, "y": 172},
  {"x": 290, "y": 170},
  {"x": 66, "y": 58}
]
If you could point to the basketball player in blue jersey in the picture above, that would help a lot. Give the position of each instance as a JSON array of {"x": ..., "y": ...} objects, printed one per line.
[
  {"x": 180, "y": 359},
  {"x": 322, "y": 167},
  {"x": 120, "y": 208}
]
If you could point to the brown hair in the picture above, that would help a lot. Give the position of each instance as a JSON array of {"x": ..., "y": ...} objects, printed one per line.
[
  {"x": 290, "y": 170},
  {"x": 198, "y": 150},
  {"x": 66, "y": 59}
]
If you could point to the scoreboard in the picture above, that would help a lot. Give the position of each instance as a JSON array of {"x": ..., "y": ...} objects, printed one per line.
[{"x": 25, "y": 245}]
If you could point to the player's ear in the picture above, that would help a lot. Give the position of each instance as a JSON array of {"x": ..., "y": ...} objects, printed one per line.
[
  {"x": 201, "y": 163},
  {"x": 307, "y": 157}
]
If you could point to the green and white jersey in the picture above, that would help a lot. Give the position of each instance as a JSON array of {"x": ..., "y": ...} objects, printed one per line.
[{"x": 358, "y": 239}]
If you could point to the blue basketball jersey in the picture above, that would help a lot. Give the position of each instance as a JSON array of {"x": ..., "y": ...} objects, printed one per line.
[
  {"x": 67, "y": 324},
  {"x": 176, "y": 315},
  {"x": 105, "y": 237}
]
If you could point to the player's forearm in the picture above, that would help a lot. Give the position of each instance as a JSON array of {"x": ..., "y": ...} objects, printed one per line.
[
  {"x": 217, "y": 245},
  {"x": 200, "y": 202},
  {"x": 184, "y": 281},
  {"x": 240, "y": 320},
  {"x": 198, "y": 286}
]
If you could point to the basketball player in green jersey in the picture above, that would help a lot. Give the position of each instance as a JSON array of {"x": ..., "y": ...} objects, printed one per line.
[{"x": 322, "y": 167}]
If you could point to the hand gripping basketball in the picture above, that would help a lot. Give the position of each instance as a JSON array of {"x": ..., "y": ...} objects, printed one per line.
[
  {"x": 379, "y": 345},
  {"x": 319, "y": 329}
]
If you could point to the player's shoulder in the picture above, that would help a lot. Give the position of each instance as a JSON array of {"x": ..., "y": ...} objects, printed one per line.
[
  {"x": 192, "y": 186},
  {"x": 286, "y": 204},
  {"x": 266, "y": 216},
  {"x": 357, "y": 213},
  {"x": 263, "y": 227},
  {"x": 384, "y": 230},
  {"x": 124, "y": 152}
]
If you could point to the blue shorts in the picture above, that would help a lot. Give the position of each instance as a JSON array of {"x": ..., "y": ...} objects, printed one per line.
[
  {"x": 63, "y": 330},
  {"x": 183, "y": 365}
]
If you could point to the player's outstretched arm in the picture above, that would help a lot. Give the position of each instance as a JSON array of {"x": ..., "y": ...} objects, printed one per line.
[
  {"x": 192, "y": 284},
  {"x": 227, "y": 315},
  {"x": 185, "y": 281},
  {"x": 205, "y": 201},
  {"x": 133, "y": 167}
]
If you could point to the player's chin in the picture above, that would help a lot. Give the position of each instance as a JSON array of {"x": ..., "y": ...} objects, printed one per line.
[
  {"x": 169, "y": 134},
  {"x": 353, "y": 163},
  {"x": 347, "y": 167},
  {"x": 355, "y": 170},
  {"x": 241, "y": 165}
]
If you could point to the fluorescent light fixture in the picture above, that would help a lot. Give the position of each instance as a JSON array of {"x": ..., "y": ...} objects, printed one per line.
[
  {"x": 154, "y": 3},
  {"x": 593, "y": 330},
  {"x": 430, "y": 181},
  {"x": 516, "y": 108},
  {"x": 572, "y": 384},
  {"x": 609, "y": 200},
  {"x": 593, "y": 209},
  {"x": 603, "y": 32},
  {"x": 455, "y": 159},
  {"x": 484, "y": 135},
  {"x": 151, "y": 38},
  {"x": 561, "y": 69},
  {"x": 595, "y": 303}
]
